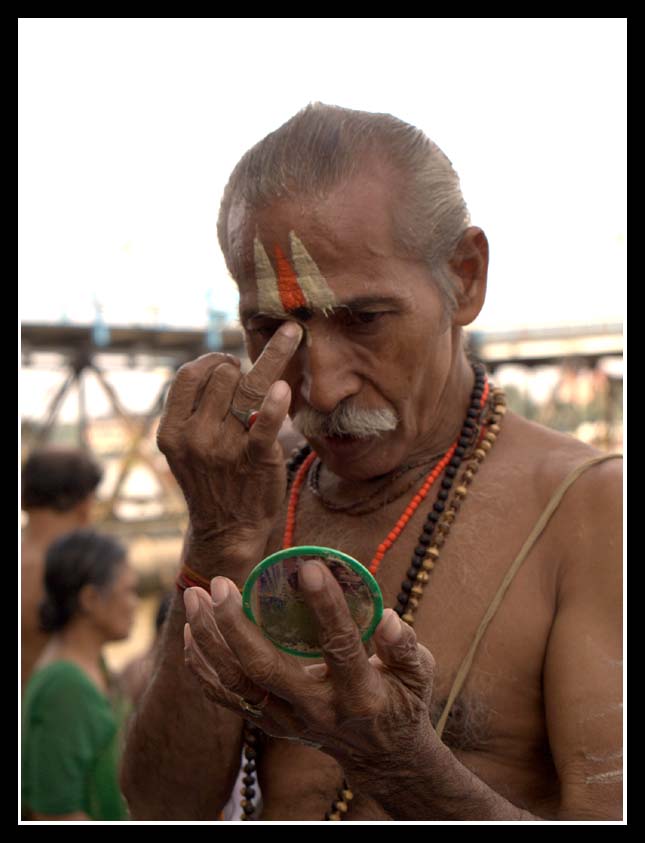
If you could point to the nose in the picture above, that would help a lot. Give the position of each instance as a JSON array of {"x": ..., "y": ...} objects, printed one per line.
[{"x": 327, "y": 372}]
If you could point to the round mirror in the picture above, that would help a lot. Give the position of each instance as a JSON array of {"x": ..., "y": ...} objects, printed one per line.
[{"x": 272, "y": 599}]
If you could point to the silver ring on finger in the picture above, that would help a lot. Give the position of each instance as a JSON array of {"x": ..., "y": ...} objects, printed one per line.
[
  {"x": 254, "y": 709},
  {"x": 246, "y": 417}
]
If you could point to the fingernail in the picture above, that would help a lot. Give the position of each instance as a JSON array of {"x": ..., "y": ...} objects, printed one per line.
[
  {"x": 291, "y": 330},
  {"x": 219, "y": 590},
  {"x": 392, "y": 628},
  {"x": 279, "y": 390},
  {"x": 311, "y": 576},
  {"x": 187, "y": 636},
  {"x": 191, "y": 602}
]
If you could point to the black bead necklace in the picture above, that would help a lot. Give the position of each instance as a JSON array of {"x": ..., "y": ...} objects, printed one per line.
[
  {"x": 467, "y": 438},
  {"x": 417, "y": 574}
]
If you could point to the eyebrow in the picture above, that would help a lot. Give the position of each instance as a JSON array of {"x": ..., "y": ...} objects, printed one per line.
[{"x": 356, "y": 304}]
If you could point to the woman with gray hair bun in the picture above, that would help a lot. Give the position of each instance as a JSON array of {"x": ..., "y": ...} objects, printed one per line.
[{"x": 72, "y": 712}]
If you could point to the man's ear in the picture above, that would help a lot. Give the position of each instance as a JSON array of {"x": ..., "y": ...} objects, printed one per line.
[{"x": 470, "y": 264}]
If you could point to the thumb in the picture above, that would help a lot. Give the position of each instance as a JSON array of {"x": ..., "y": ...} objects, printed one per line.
[{"x": 397, "y": 647}]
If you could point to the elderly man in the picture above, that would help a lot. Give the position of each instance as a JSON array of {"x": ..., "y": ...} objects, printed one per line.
[{"x": 493, "y": 687}]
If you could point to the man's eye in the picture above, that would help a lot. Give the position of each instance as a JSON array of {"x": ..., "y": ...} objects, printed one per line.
[
  {"x": 264, "y": 330},
  {"x": 367, "y": 317}
]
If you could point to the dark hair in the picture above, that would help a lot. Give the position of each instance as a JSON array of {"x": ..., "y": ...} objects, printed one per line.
[
  {"x": 58, "y": 478},
  {"x": 83, "y": 557}
]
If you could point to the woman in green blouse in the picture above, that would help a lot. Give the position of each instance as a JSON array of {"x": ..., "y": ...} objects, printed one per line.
[{"x": 72, "y": 714}]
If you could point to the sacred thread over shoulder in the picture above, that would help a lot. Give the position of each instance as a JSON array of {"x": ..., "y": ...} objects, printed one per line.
[{"x": 298, "y": 284}]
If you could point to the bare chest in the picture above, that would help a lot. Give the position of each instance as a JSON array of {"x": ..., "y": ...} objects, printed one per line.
[
  {"x": 490, "y": 528},
  {"x": 496, "y": 724}
]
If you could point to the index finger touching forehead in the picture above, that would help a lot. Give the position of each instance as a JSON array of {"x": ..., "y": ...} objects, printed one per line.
[{"x": 275, "y": 357}]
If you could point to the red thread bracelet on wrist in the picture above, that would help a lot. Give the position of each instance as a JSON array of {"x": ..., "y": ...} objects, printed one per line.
[{"x": 189, "y": 579}]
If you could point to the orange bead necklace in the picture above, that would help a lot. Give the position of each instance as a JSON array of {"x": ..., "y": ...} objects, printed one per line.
[{"x": 393, "y": 535}]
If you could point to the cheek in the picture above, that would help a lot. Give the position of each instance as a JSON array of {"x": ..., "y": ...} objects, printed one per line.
[{"x": 392, "y": 368}]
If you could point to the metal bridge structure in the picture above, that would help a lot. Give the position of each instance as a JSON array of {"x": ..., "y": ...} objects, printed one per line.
[
  {"x": 80, "y": 352},
  {"x": 575, "y": 345}
]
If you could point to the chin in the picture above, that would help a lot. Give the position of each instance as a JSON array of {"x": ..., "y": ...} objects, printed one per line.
[{"x": 361, "y": 459}]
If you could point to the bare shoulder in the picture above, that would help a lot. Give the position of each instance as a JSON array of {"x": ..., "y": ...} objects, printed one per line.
[
  {"x": 546, "y": 457},
  {"x": 586, "y": 527}
]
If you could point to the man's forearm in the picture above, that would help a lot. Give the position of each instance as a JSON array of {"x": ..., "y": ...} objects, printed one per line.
[
  {"x": 435, "y": 785},
  {"x": 182, "y": 751}
]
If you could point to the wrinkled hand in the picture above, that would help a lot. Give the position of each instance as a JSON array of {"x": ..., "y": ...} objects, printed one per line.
[
  {"x": 233, "y": 479},
  {"x": 367, "y": 713}
]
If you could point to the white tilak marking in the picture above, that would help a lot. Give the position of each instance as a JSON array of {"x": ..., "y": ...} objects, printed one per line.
[
  {"x": 605, "y": 713},
  {"x": 312, "y": 282},
  {"x": 611, "y": 757},
  {"x": 267, "y": 281},
  {"x": 605, "y": 778},
  {"x": 601, "y": 654}
]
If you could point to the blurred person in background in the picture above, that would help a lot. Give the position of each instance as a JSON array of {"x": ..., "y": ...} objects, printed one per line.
[
  {"x": 72, "y": 708},
  {"x": 136, "y": 675},
  {"x": 58, "y": 492}
]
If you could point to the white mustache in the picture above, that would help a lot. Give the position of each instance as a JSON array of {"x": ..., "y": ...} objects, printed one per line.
[{"x": 345, "y": 420}]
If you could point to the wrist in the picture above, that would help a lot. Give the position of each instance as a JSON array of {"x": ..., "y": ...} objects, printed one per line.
[
  {"x": 205, "y": 555},
  {"x": 430, "y": 783},
  {"x": 387, "y": 776}
]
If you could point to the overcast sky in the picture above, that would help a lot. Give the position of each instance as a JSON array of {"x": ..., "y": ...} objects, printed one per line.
[{"x": 128, "y": 129}]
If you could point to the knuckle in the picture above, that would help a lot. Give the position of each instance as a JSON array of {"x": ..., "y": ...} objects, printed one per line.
[
  {"x": 426, "y": 659},
  {"x": 250, "y": 393},
  {"x": 202, "y": 622},
  {"x": 230, "y": 677},
  {"x": 167, "y": 445},
  {"x": 185, "y": 374},
  {"x": 195, "y": 446},
  {"x": 262, "y": 671},
  {"x": 212, "y": 358},
  {"x": 274, "y": 353},
  {"x": 220, "y": 381},
  {"x": 358, "y": 705},
  {"x": 409, "y": 649},
  {"x": 207, "y": 681},
  {"x": 196, "y": 368},
  {"x": 341, "y": 645},
  {"x": 206, "y": 642},
  {"x": 226, "y": 370}
]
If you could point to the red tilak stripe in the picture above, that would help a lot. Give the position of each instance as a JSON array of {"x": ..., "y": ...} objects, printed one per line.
[{"x": 291, "y": 295}]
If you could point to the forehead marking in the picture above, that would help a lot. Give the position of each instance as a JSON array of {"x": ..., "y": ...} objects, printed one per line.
[
  {"x": 294, "y": 287},
  {"x": 311, "y": 279},
  {"x": 267, "y": 281},
  {"x": 291, "y": 295}
]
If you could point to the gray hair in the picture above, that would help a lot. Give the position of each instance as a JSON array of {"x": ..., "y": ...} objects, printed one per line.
[
  {"x": 324, "y": 145},
  {"x": 344, "y": 420}
]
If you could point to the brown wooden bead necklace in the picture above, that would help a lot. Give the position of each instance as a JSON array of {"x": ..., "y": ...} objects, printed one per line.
[{"x": 479, "y": 433}]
